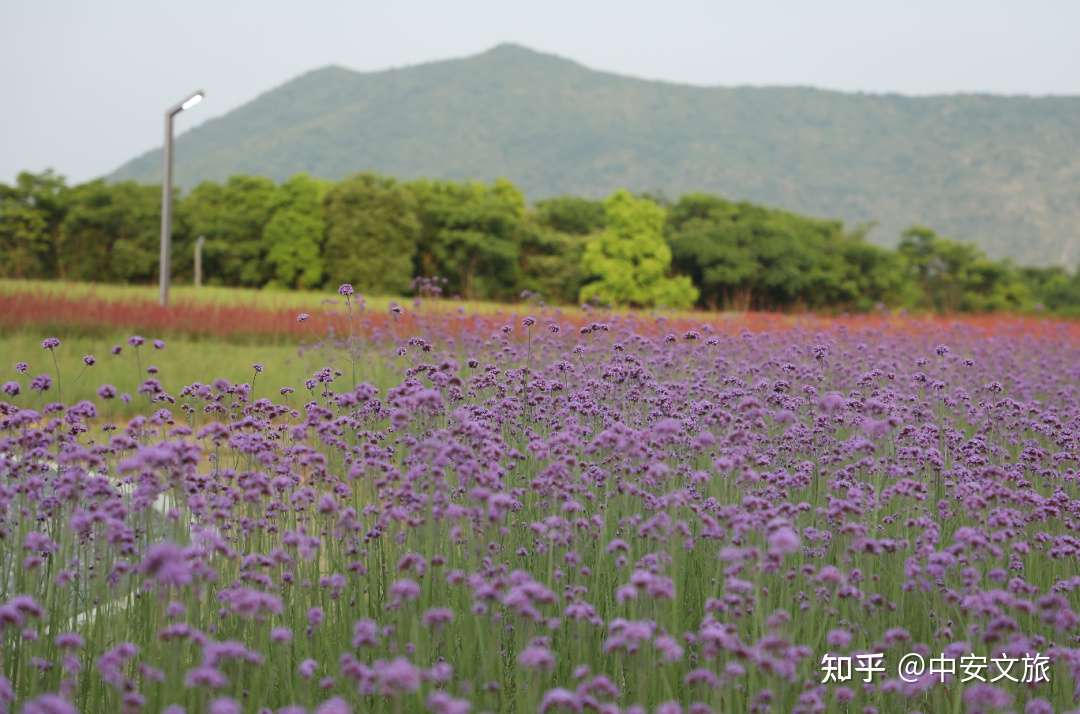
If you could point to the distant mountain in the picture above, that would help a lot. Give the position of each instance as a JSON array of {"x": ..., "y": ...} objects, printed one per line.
[{"x": 1001, "y": 171}]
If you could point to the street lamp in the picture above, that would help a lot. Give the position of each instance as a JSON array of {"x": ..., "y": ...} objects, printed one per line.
[{"x": 165, "y": 266}]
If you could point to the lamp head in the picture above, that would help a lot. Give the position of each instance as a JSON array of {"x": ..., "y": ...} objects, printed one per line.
[{"x": 192, "y": 100}]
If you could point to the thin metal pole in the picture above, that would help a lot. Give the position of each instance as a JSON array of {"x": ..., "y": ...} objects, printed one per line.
[
  {"x": 165, "y": 267},
  {"x": 198, "y": 260}
]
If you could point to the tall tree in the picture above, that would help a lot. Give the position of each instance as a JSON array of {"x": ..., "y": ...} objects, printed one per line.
[
  {"x": 31, "y": 212},
  {"x": 630, "y": 260},
  {"x": 954, "y": 276},
  {"x": 552, "y": 240},
  {"x": 469, "y": 235},
  {"x": 293, "y": 236},
  {"x": 372, "y": 229},
  {"x": 111, "y": 232},
  {"x": 570, "y": 214},
  {"x": 232, "y": 217}
]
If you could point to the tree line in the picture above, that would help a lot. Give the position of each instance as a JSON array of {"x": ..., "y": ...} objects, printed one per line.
[{"x": 484, "y": 241}]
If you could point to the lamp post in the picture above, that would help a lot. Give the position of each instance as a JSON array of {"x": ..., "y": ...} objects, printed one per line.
[
  {"x": 198, "y": 260},
  {"x": 164, "y": 264}
]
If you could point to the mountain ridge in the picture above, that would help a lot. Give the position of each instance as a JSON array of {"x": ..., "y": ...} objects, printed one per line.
[{"x": 1003, "y": 171}]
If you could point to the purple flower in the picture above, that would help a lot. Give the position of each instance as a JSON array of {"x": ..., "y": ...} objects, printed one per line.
[
  {"x": 838, "y": 638},
  {"x": 69, "y": 641},
  {"x": 89, "y": 360},
  {"x": 403, "y": 590},
  {"x": 22, "y": 367},
  {"x": 783, "y": 541},
  {"x": 159, "y": 344},
  {"x": 345, "y": 289},
  {"x": 365, "y": 633},
  {"x": 702, "y": 676},
  {"x": 205, "y": 676},
  {"x": 41, "y": 383},
  {"x": 225, "y": 706},
  {"x": 49, "y": 704},
  {"x": 437, "y": 616},
  {"x": 537, "y": 656},
  {"x": 397, "y": 677},
  {"x": 307, "y": 668},
  {"x": 106, "y": 391},
  {"x": 560, "y": 699},
  {"x": 337, "y": 705},
  {"x": 669, "y": 648},
  {"x": 136, "y": 341},
  {"x": 11, "y": 389},
  {"x": 165, "y": 563},
  {"x": 50, "y": 343},
  {"x": 986, "y": 697},
  {"x": 442, "y": 703},
  {"x": 1038, "y": 706}
]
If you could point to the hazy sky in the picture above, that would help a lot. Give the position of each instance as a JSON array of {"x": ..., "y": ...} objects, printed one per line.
[{"x": 85, "y": 83}]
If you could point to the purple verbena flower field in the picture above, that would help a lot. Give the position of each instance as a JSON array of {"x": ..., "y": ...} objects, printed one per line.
[{"x": 552, "y": 518}]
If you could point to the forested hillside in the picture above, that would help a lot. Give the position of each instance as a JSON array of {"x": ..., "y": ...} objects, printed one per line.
[{"x": 1003, "y": 172}]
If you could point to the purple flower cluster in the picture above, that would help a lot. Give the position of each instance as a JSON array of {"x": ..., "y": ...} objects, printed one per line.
[{"x": 621, "y": 516}]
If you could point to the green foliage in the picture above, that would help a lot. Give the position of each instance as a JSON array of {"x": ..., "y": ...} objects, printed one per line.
[
  {"x": 379, "y": 234},
  {"x": 1053, "y": 289},
  {"x": 871, "y": 276},
  {"x": 294, "y": 234},
  {"x": 372, "y": 233},
  {"x": 1001, "y": 170},
  {"x": 24, "y": 244},
  {"x": 571, "y": 214},
  {"x": 953, "y": 276},
  {"x": 550, "y": 264},
  {"x": 232, "y": 217},
  {"x": 31, "y": 212},
  {"x": 552, "y": 240},
  {"x": 743, "y": 255},
  {"x": 469, "y": 235},
  {"x": 630, "y": 259},
  {"x": 111, "y": 232}
]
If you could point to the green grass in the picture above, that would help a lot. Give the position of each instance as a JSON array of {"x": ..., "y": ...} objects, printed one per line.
[
  {"x": 265, "y": 299},
  {"x": 182, "y": 362},
  {"x": 281, "y": 299}
]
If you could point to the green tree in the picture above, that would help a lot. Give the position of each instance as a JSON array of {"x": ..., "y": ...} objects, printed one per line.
[
  {"x": 871, "y": 275},
  {"x": 293, "y": 236},
  {"x": 372, "y": 229},
  {"x": 24, "y": 244},
  {"x": 550, "y": 261},
  {"x": 954, "y": 276},
  {"x": 111, "y": 232},
  {"x": 711, "y": 245},
  {"x": 469, "y": 236},
  {"x": 31, "y": 212},
  {"x": 630, "y": 260},
  {"x": 1053, "y": 288},
  {"x": 551, "y": 241},
  {"x": 232, "y": 217},
  {"x": 570, "y": 214},
  {"x": 743, "y": 255}
]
